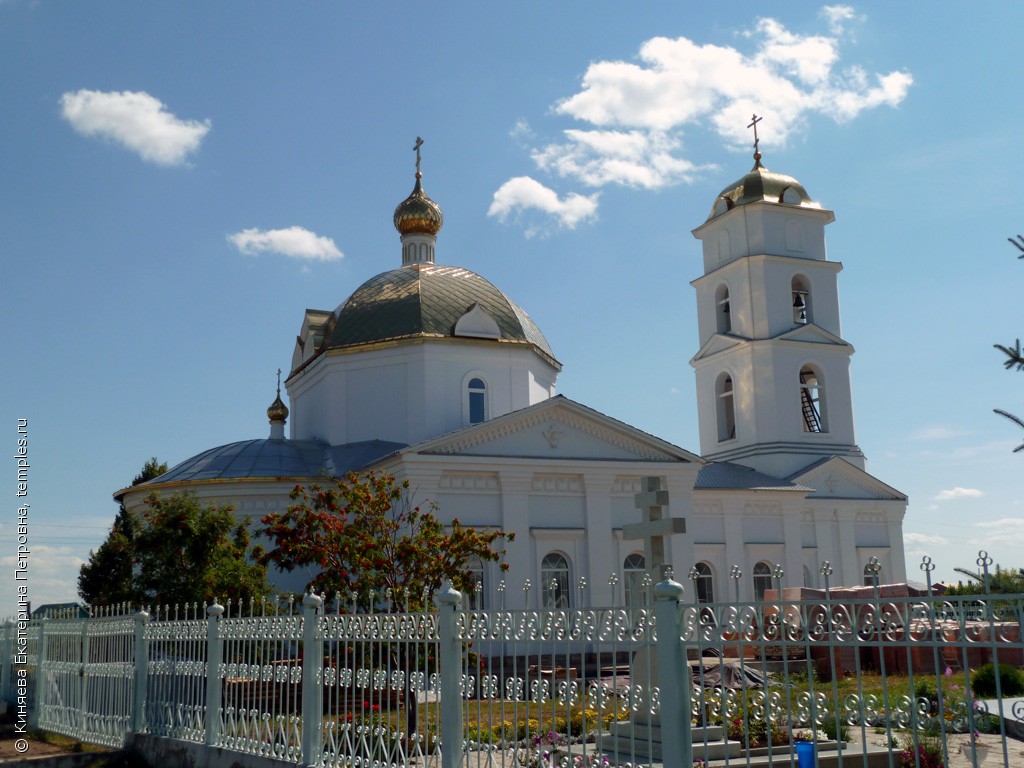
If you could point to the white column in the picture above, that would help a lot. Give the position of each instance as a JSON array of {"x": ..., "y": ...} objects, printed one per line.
[
  {"x": 735, "y": 553},
  {"x": 823, "y": 537},
  {"x": 601, "y": 549},
  {"x": 794, "y": 557},
  {"x": 680, "y": 505},
  {"x": 851, "y": 568},
  {"x": 897, "y": 556},
  {"x": 520, "y": 555}
]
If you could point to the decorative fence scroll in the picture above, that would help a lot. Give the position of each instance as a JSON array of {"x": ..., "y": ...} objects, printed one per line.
[{"x": 672, "y": 682}]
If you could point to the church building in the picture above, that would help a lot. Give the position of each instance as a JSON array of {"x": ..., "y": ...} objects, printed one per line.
[{"x": 433, "y": 374}]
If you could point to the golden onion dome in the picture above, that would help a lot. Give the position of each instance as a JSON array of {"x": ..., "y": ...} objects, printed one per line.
[
  {"x": 277, "y": 411},
  {"x": 418, "y": 214}
]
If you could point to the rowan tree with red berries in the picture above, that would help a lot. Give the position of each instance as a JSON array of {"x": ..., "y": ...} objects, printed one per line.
[{"x": 366, "y": 537}]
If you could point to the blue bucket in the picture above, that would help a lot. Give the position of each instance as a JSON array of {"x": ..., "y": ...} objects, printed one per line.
[{"x": 805, "y": 754}]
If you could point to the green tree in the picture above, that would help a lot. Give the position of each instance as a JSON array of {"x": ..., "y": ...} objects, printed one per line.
[
  {"x": 365, "y": 536},
  {"x": 1014, "y": 357},
  {"x": 106, "y": 578},
  {"x": 190, "y": 553},
  {"x": 1006, "y": 581},
  {"x": 177, "y": 551}
]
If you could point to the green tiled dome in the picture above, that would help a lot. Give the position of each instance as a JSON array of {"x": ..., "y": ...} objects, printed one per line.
[
  {"x": 762, "y": 185},
  {"x": 425, "y": 301}
]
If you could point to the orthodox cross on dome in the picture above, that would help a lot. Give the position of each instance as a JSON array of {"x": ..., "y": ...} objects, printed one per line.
[
  {"x": 278, "y": 382},
  {"x": 754, "y": 120},
  {"x": 654, "y": 529},
  {"x": 416, "y": 146}
]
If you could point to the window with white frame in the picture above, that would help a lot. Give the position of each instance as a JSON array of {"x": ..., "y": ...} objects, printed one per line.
[
  {"x": 554, "y": 580},
  {"x": 813, "y": 416},
  {"x": 476, "y": 400},
  {"x": 473, "y": 600},
  {"x": 723, "y": 314},
  {"x": 634, "y": 567},
  {"x": 704, "y": 583},
  {"x": 801, "y": 294},
  {"x": 762, "y": 579},
  {"x": 726, "y": 408}
]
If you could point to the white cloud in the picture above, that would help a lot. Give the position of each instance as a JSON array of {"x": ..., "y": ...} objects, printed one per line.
[
  {"x": 1003, "y": 535},
  {"x": 296, "y": 242},
  {"x": 936, "y": 432},
  {"x": 679, "y": 83},
  {"x": 630, "y": 158},
  {"x": 522, "y": 131},
  {"x": 958, "y": 493},
  {"x": 923, "y": 538},
  {"x": 52, "y": 575},
  {"x": 1005, "y": 524},
  {"x": 135, "y": 120},
  {"x": 634, "y": 112},
  {"x": 523, "y": 194},
  {"x": 837, "y": 16}
]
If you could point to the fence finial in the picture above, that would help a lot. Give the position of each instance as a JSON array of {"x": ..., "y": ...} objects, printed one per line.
[{"x": 447, "y": 594}]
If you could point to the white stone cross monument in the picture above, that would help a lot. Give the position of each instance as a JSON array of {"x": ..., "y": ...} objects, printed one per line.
[
  {"x": 641, "y": 735},
  {"x": 654, "y": 529}
]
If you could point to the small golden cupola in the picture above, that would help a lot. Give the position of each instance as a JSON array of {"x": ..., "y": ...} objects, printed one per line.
[
  {"x": 277, "y": 413},
  {"x": 418, "y": 219}
]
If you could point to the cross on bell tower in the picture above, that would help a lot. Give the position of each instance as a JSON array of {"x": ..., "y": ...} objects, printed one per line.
[{"x": 753, "y": 124}]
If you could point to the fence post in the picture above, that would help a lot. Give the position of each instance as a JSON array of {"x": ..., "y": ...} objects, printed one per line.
[
  {"x": 673, "y": 676},
  {"x": 141, "y": 673},
  {"x": 40, "y": 692},
  {"x": 83, "y": 677},
  {"x": 214, "y": 653},
  {"x": 448, "y": 599},
  {"x": 312, "y": 690}
]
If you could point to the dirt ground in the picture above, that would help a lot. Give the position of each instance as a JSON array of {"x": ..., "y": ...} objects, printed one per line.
[{"x": 14, "y": 749}]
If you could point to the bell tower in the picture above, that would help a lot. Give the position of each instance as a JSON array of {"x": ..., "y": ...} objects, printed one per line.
[{"x": 773, "y": 378}]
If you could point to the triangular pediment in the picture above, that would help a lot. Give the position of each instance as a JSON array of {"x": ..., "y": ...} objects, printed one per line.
[
  {"x": 718, "y": 343},
  {"x": 555, "y": 429},
  {"x": 836, "y": 478},
  {"x": 813, "y": 334}
]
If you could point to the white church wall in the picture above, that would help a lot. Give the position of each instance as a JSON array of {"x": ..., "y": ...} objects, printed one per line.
[
  {"x": 411, "y": 392},
  {"x": 557, "y": 501},
  {"x": 762, "y": 524},
  {"x": 774, "y": 225}
]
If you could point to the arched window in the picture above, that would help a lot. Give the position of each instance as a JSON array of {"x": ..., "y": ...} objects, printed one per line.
[
  {"x": 801, "y": 292},
  {"x": 726, "y": 408},
  {"x": 762, "y": 579},
  {"x": 633, "y": 569},
  {"x": 814, "y": 417},
  {"x": 704, "y": 583},
  {"x": 869, "y": 577},
  {"x": 808, "y": 579},
  {"x": 723, "y": 317},
  {"x": 554, "y": 581},
  {"x": 476, "y": 391},
  {"x": 474, "y": 600}
]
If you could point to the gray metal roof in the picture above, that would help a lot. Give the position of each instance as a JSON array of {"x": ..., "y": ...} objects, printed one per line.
[
  {"x": 424, "y": 300},
  {"x": 269, "y": 459},
  {"x": 726, "y": 475}
]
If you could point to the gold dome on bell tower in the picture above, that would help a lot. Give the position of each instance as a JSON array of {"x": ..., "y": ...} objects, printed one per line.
[{"x": 418, "y": 214}]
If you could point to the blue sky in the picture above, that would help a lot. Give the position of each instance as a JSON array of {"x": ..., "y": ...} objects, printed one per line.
[{"x": 180, "y": 182}]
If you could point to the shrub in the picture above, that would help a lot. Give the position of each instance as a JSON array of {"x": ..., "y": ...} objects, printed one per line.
[
  {"x": 834, "y": 727},
  {"x": 983, "y": 681}
]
